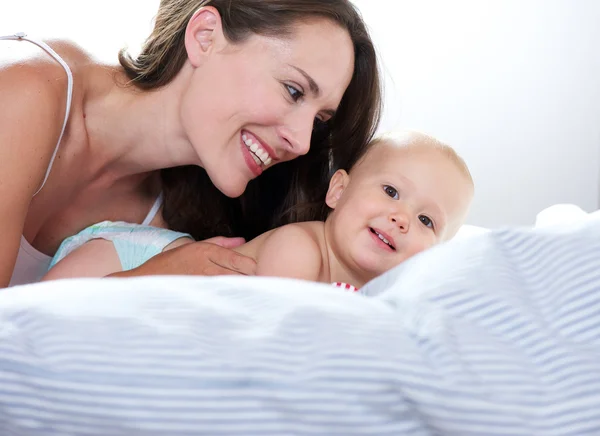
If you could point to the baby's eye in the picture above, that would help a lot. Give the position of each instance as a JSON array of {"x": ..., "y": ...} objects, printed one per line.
[
  {"x": 295, "y": 93},
  {"x": 426, "y": 221},
  {"x": 391, "y": 191}
]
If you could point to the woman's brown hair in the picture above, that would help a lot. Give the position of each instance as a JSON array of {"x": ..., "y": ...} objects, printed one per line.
[{"x": 288, "y": 192}]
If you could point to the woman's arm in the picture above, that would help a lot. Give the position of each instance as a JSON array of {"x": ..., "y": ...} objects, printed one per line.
[
  {"x": 96, "y": 258},
  {"x": 31, "y": 115},
  {"x": 207, "y": 258},
  {"x": 99, "y": 258}
]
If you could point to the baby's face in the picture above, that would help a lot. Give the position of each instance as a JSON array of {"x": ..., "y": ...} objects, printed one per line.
[{"x": 397, "y": 202}]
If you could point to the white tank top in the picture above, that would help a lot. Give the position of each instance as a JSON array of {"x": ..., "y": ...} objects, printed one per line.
[{"x": 31, "y": 264}]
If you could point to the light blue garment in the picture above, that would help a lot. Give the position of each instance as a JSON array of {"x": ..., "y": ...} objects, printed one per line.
[
  {"x": 498, "y": 334},
  {"x": 135, "y": 244}
]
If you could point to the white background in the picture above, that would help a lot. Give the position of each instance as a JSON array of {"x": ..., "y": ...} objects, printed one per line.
[{"x": 513, "y": 85}]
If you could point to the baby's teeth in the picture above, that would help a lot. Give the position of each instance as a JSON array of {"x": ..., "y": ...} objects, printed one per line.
[
  {"x": 244, "y": 137},
  {"x": 253, "y": 147},
  {"x": 383, "y": 239},
  {"x": 268, "y": 161}
]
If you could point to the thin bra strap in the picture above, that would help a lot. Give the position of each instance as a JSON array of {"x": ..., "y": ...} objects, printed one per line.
[
  {"x": 155, "y": 207},
  {"x": 22, "y": 36}
]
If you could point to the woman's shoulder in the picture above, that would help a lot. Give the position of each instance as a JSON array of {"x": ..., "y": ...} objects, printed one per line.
[
  {"x": 36, "y": 82},
  {"x": 33, "y": 101},
  {"x": 25, "y": 66}
]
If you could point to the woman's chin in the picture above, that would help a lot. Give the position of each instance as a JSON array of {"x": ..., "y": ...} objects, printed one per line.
[{"x": 231, "y": 188}]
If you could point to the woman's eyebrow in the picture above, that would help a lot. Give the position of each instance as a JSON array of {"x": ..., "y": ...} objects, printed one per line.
[{"x": 314, "y": 88}]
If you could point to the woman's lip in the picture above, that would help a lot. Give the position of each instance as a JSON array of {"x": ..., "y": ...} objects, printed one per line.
[
  {"x": 263, "y": 144},
  {"x": 250, "y": 162}
]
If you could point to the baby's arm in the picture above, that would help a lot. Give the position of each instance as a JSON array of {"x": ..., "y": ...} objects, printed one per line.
[
  {"x": 96, "y": 258},
  {"x": 290, "y": 251}
]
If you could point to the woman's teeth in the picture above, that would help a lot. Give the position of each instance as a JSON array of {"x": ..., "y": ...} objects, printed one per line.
[{"x": 260, "y": 155}]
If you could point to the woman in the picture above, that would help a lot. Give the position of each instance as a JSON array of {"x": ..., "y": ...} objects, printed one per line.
[{"x": 220, "y": 92}]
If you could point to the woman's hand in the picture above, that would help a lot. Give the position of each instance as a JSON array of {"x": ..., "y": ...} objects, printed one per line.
[{"x": 206, "y": 258}]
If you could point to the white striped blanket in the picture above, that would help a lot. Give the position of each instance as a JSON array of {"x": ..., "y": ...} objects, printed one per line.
[{"x": 498, "y": 334}]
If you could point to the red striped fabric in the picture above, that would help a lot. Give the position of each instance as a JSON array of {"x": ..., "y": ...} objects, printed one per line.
[{"x": 345, "y": 286}]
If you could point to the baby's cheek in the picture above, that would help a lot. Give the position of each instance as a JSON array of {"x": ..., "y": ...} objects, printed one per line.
[{"x": 421, "y": 244}]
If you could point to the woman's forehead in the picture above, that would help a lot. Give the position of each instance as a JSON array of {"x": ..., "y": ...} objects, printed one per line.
[{"x": 321, "y": 48}]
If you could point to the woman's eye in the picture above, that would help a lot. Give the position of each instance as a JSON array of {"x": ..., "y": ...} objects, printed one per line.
[
  {"x": 391, "y": 191},
  {"x": 294, "y": 92},
  {"x": 426, "y": 221},
  {"x": 319, "y": 124}
]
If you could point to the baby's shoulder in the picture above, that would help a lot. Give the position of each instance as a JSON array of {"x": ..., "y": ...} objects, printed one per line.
[
  {"x": 293, "y": 250},
  {"x": 306, "y": 237},
  {"x": 310, "y": 233}
]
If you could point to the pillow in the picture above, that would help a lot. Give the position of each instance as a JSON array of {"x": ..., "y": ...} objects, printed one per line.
[
  {"x": 467, "y": 231},
  {"x": 497, "y": 333},
  {"x": 560, "y": 214}
]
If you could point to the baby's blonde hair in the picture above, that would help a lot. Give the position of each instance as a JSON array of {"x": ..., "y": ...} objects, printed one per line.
[{"x": 412, "y": 139}]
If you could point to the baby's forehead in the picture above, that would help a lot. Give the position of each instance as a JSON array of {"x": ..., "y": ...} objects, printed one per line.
[{"x": 389, "y": 153}]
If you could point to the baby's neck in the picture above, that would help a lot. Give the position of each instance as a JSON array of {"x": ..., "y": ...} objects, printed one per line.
[{"x": 339, "y": 270}]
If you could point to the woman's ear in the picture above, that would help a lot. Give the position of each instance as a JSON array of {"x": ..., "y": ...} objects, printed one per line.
[
  {"x": 337, "y": 185},
  {"x": 204, "y": 34}
]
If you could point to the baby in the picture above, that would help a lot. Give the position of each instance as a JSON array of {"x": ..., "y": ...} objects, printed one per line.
[{"x": 406, "y": 194}]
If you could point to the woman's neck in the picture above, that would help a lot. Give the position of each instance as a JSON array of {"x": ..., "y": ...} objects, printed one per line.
[{"x": 131, "y": 131}]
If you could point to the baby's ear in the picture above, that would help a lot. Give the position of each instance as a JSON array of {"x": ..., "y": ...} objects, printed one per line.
[{"x": 337, "y": 185}]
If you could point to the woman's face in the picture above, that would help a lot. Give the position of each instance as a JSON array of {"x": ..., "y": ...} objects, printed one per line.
[{"x": 251, "y": 105}]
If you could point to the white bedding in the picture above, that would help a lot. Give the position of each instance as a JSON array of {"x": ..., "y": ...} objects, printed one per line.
[{"x": 495, "y": 334}]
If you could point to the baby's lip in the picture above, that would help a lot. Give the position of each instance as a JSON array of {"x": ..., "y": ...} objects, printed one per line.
[{"x": 386, "y": 236}]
